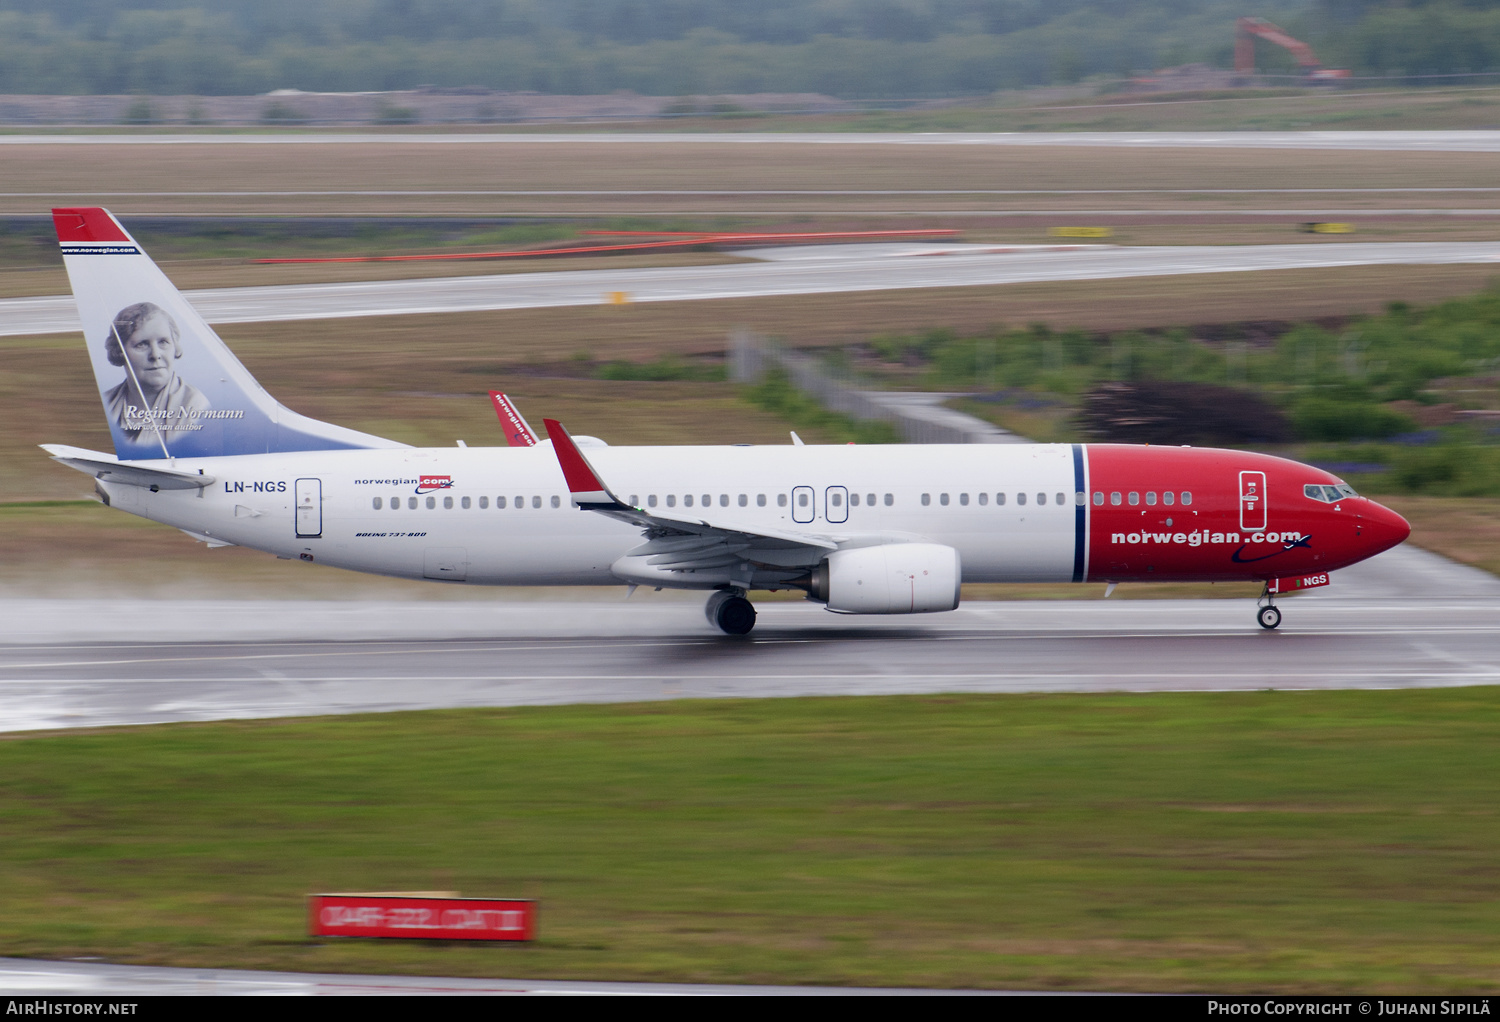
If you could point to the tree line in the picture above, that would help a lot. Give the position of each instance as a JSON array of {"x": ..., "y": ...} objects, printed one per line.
[{"x": 845, "y": 48}]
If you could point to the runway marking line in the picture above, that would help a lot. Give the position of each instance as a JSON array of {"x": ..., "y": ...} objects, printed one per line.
[{"x": 1259, "y": 676}]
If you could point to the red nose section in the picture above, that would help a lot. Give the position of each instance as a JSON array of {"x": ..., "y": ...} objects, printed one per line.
[{"x": 1383, "y": 528}]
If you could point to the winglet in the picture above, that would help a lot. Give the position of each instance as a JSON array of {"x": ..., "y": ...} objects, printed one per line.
[
  {"x": 518, "y": 433},
  {"x": 587, "y": 489}
]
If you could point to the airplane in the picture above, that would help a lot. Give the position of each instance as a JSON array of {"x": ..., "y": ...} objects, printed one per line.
[{"x": 869, "y": 529}]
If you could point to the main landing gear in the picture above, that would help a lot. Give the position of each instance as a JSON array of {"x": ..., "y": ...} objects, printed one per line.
[
  {"x": 1268, "y": 616},
  {"x": 730, "y": 612}
]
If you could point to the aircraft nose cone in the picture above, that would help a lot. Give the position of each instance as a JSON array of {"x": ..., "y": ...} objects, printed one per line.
[{"x": 1384, "y": 528}]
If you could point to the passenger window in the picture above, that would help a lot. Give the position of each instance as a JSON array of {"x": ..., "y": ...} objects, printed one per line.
[
  {"x": 395, "y": 503},
  {"x": 635, "y": 500},
  {"x": 836, "y": 498},
  {"x": 1187, "y": 498},
  {"x": 1060, "y": 500},
  {"x": 1134, "y": 498},
  {"x": 870, "y": 499},
  {"x": 687, "y": 500},
  {"x": 431, "y": 503},
  {"x": 760, "y": 500},
  {"x": 556, "y": 501},
  {"x": 411, "y": 503},
  {"x": 1021, "y": 499},
  {"x": 520, "y": 503},
  {"x": 926, "y": 500},
  {"x": 500, "y": 503},
  {"x": 723, "y": 500},
  {"x": 1150, "y": 498},
  {"x": 943, "y": 499},
  {"x": 1041, "y": 498},
  {"x": 745, "y": 500},
  {"x": 536, "y": 502},
  {"x": 708, "y": 500},
  {"x": 484, "y": 503},
  {"x": 803, "y": 499},
  {"x": 448, "y": 503},
  {"x": 1080, "y": 498},
  {"x": 984, "y": 498},
  {"x": 651, "y": 500},
  {"x": 376, "y": 503},
  {"x": 781, "y": 500},
  {"x": 464, "y": 503},
  {"x": 1167, "y": 498},
  {"x": 671, "y": 500},
  {"x": 1099, "y": 498},
  {"x": 963, "y": 499},
  {"x": 999, "y": 500},
  {"x": 890, "y": 498},
  {"x": 1114, "y": 498},
  {"x": 854, "y": 500}
]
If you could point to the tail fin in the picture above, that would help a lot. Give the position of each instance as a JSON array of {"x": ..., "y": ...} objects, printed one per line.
[
  {"x": 170, "y": 386},
  {"x": 517, "y": 432}
]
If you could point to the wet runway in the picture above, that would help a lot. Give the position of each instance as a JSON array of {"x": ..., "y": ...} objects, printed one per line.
[
  {"x": 20, "y": 977},
  {"x": 1407, "y": 619},
  {"x": 827, "y": 270}
]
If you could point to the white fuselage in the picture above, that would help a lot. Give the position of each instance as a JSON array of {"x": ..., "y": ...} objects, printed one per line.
[{"x": 503, "y": 516}]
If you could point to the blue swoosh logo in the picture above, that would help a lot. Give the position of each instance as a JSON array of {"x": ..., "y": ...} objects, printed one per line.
[{"x": 1305, "y": 542}]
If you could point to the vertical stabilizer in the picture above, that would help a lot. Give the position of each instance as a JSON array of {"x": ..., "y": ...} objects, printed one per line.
[{"x": 170, "y": 386}]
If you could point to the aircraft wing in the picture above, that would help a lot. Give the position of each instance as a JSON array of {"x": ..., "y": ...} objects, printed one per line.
[
  {"x": 721, "y": 539},
  {"x": 112, "y": 470}
]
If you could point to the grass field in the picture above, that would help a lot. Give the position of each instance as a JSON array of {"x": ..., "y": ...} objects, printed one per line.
[
  {"x": 1082, "y": 107},
  {"x": 230, "y": 179},
  {"x": 1275, "y": 842}
]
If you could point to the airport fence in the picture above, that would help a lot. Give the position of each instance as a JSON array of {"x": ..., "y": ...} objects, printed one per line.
[{"x": 920, "y": 418}]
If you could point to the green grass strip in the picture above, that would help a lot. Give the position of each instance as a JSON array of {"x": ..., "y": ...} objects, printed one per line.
[{"x": 1255, "y": 841}]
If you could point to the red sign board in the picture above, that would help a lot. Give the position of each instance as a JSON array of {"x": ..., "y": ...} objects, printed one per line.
[
  {"x": 1293, "y": 583},
  {"x": 414, "y": 918}
]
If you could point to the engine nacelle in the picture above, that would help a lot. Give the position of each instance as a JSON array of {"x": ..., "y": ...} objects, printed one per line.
[{"x": 897, "y": 578}]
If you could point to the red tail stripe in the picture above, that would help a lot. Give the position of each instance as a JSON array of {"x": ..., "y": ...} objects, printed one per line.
[{"x": 87, "y": 224}]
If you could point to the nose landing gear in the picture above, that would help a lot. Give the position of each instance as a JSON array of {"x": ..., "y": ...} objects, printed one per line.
[
  {"x": 1268, "y": 615},
  {"x": 730, "y": 612}
]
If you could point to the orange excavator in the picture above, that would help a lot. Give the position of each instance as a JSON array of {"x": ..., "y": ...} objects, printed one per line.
[{"x": 1247, "y": 29}]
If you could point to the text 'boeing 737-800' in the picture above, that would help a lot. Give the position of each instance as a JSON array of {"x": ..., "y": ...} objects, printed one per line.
[{"x": 201, "y": 446}]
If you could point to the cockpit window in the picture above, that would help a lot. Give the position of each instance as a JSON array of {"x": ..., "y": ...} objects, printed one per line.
[{"x": 1328, "y": 494}]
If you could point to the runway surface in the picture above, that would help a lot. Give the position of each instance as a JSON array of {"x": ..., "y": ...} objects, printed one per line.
[
  {"x": 827, "y": 270},
  {"x": 1418, "y": 141},
  {"x": 21, "y": 977},
  {"x": 1406, "y": 619}
]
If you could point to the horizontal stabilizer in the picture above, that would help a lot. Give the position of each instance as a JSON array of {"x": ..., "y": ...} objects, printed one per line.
[{"x": 109, "y": 469}]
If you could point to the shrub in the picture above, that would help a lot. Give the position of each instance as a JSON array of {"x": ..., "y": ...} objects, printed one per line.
[{"x": 1320, "y": 418}]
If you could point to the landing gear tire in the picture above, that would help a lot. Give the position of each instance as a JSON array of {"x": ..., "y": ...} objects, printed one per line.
[
  {"x": 1269, "y": 617},
  {"x": 731, "y": 613}
]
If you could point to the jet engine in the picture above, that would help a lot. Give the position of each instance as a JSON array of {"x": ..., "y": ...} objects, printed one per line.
[{"x": 897, "y": 578}]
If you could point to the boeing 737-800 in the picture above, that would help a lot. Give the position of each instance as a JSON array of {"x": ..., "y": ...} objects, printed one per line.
[{"x": 201, "y": 446}]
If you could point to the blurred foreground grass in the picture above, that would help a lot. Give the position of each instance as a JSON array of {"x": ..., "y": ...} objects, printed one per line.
[{"x": 1269, "y": 841}]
